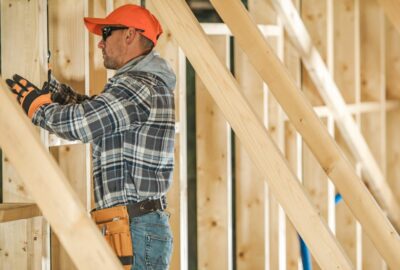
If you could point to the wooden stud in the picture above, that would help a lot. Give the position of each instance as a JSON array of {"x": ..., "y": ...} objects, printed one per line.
[
  {"x": 307, "y": 123},
  {"x": 346, "y": 73},
  {"x": 373, "y": 89},
  {"x": 293, "y": 65},
  {"x": 67, "y": 45},
  {"x": 97, "y": 73},
  {"x": 23, "y": 51},
  {"x": 251, "y": 249},
  {"x": 274, "y": 225},
  {"x": 264, "y": 153},
  {"x": 314, "y": 14},
  {"x": 393, "y": 117},
  {"x": 212, "y": 211}
]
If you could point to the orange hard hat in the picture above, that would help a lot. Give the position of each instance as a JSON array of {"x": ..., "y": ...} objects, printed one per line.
[{"x": 131, "y": 16}]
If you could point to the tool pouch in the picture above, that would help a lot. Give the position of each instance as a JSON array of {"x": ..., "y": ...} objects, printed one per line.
[{"x": 114, "y": 225}]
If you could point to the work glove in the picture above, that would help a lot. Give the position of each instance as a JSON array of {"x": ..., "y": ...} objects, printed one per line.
[
  {"x": 28, "y": 95},
  {"x": 63, "y": 94}
]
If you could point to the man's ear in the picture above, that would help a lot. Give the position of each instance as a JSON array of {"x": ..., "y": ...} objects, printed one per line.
[{"x": 130, "y": 35}]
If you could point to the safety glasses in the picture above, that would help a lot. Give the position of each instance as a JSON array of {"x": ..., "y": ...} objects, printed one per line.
[{"x": 107, "y": 31}]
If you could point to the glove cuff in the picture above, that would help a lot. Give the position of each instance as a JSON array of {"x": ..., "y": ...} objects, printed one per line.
[{"x": 36, "y": 103}]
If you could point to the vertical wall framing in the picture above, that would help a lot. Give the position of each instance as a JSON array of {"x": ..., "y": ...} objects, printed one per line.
[
  {"x": 392, "y": 69},
  {"x": 212, "y": 177},
  {"x": 317, "y": 20},
  {"x": 22, "y": 243},
  {"x": 293, "y": 150},
  {"x": 347, "y": 76},
  {"x": 372, "y": 30},
  {"x": 67, "y": 47},
  {"x": 250, "y": 195},
  {"x": 258, "y": 218}
]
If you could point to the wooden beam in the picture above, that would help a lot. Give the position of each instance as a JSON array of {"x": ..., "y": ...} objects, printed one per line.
[
  {"x": 315, "y": 15},
  {"x": 17, "y": 211},
  {"x": 392, "y": 10},
  {"x": 212, "y": 174},
  {"x": 393, "y": 117},
  {"x": 251, "y": 132},
  {"x": 292, "y": 151},
  {"x": 330, "y": 93},
  {"x": 50, "y": 189},
  {"x": 67, "y": 44},
  {"x": 24, "y": 243},
  {"x": 347, "y": 77},
  {"x": 251, "y": 215},
  {"x": 373, "y": 88},
  {"x": 313, "y": 131}
]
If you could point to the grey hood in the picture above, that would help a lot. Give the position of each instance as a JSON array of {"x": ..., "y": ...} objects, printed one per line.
[{"x": 152, "y": 63}]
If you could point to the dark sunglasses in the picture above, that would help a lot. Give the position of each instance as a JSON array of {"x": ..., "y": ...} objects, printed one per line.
[{"x": 107, "y": 31}]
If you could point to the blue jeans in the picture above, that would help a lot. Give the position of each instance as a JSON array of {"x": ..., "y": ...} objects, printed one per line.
[{"x": 152, "y": 241}]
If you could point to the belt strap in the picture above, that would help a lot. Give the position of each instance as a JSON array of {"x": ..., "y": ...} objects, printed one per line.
[
  {"x": 145, "y": 207},
  {"x": 126, "y": 260}
]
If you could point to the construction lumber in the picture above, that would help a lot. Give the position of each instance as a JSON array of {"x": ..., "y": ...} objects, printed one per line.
[
  {"x": 393, "y": 117},
  {"x": 67, "y": 44},
  {"x": 253, "y": 135},
  {"x": 292, "y": 150},
  {"x": 329, "y": 91},
  {"x": 292, "y": 153},
  {"x": 271, "y": 113},
  {"x": 373, "y": 88},
  {"x": 212, "y": 143},
  {"x": 301, "y": 114},
  {"x": 250, "y": 196},
  {"x": 347, "y": 76},
  {"x": 50, "y": 189},
  {"x": 316, "y": 17},
  {"x": 257, "y": 221},
  {"x": 24, "y": 243},
  {"x": 17, "y": 211},
  {"x": 392, "y": 10}
]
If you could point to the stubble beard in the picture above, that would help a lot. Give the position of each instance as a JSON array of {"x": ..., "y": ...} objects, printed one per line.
[{"x": 110, "y": 63}]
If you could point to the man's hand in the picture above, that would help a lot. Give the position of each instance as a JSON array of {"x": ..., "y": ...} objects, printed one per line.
[{"x": 28, "y": 95}]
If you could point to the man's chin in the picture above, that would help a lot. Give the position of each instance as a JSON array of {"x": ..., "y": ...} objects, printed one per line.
[{"x": 108, "y": 65}]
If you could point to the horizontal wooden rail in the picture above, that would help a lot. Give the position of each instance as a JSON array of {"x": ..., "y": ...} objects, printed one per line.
[
  {"x": 222, "y": 29},
  {"x": 361, "y": 108},
  {"x": 313, "y": 131},
  {"x": 252, "y": 134},
  {"x": 50, "y": 189},
  {"x": 17, "y": 211}
]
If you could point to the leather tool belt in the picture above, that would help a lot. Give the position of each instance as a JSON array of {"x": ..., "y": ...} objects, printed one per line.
[
  {"x": 114, "y": 225},
  {"x": 114, "y": 222}
]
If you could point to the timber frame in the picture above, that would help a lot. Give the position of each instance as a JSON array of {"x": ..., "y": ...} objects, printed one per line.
[{"x": 302, "y": 133}]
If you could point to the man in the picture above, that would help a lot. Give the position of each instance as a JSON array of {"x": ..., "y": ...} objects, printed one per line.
[{"x": 131, "y": 128}]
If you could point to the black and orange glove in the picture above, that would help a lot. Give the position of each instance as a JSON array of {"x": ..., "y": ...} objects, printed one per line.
[{"x": 28, "y": 95}]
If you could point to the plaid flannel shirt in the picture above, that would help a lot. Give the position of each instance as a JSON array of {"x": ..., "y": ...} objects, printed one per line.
[{"x": 131, "y": 127}]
